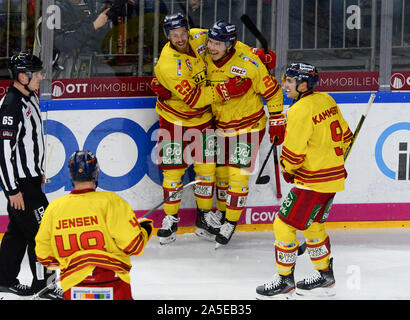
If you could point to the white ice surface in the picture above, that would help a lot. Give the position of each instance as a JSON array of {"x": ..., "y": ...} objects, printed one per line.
[{"x": 369, "y": 264}]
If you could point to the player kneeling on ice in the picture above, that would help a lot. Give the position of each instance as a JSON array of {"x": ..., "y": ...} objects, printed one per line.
[
  {"x": 89, "y": 235},
  {"x": 313, "y": 159},
  {"x": 241, "y": 122}
]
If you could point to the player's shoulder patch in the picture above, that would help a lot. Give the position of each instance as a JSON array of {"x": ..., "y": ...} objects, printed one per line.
[
  {"x": 196, "y": 33},
  {"x": 252, "y": 61},
  {"x": 199, "y": 34},
  {"x": 8, "y": 134}
]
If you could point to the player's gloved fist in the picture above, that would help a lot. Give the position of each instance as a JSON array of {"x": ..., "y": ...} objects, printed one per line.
[
  {"x": 147, "y": 224},
  {"x": 277, "y": 127},
  {"x": 268, "y": 58},
  {"x": 289, "y": 178},
  {"x": 160, "y": 90},
  {"x": 233, "y": 88}
]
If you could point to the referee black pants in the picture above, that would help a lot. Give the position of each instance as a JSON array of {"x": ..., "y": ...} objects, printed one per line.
[{"x": 20, "y": 237}]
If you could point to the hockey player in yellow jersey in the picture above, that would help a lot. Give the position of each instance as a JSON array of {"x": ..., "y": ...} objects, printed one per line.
[
  {"x": 312, "y": 158},
  {"x": 240, "y": 123},
  {"x": 89, "y": 235},
  {"x": 185, "y": 118}
]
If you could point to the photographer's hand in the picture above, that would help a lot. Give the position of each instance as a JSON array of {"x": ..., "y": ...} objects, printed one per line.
[{"x": 101, "y": 20}]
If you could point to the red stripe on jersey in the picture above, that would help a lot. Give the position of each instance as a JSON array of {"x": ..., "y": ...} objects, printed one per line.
[
  {"x": 291, "y": 157},
  {"x": 322, "y": 175},
  {"x": 136, "y": 246},
  {"x": 243, "y": 123},
  {"x": 183, "y": 115},
  {"x": 269, "y": 94}
]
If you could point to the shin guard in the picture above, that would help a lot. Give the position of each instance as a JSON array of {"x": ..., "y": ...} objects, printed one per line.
[
  {"x": 285, "y": 255},
  {"x": 204, "y": 190},
  {"x": 221, "y": 187},
  {"x": 319, "y": 252},
  {"x": 172, "y": 182}
]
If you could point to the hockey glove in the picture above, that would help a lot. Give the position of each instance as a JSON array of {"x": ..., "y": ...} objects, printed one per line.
[
  {"x": 277, "y": 127},
  {"x": 160, "y": 90},
  {"x": 233, "y": 88},
  {"x": 147, "y": 225},
  {"x": 289, "y": 178},
  {"x": 269, "y": 59}
]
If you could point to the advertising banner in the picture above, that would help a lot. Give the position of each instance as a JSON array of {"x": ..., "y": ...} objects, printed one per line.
[
  {"x": 123, "y": 87},
  {"x": 123, "y": 134}
]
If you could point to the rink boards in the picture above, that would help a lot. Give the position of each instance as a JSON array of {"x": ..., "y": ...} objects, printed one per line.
[{"x": 123, "y": 132}]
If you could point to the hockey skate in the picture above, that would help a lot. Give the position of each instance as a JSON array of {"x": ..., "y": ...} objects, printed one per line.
[
  {"x": 225, "y": 233},
  {"x": 52, "y": 294},
  {"x": 208, "y": 224},
  {"x": 16, "y": 292},
  {"x": 280, "y": 288},
  {"x": 320, "y": 284},
  {"x": 168, "y": 229}
]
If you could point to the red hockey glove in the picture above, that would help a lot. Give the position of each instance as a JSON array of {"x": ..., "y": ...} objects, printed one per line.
[
  {"x": 160, "y": 90},
  {"x": 268, "y": 58},
  {"x": 277, "y": 127},
  {"x": 147, "y": 224},
  {"x": 289, "y": 178},
  {"x": 233, "y": 88}
]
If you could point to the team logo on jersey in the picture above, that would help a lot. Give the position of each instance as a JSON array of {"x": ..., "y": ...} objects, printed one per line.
[
  {"x": 245, "y": 58},
  {"x": 238, "y": 71},
  {"x": 201, "y": 49},
  {"x": 179, "y": 67},
  {"x": 188, "y": 64}
]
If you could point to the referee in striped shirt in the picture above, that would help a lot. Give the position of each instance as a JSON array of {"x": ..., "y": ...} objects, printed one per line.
[{"x": 22, "y": 176}]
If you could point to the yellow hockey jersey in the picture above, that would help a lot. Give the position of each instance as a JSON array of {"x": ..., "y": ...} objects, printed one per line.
[
  {"x": 244, "y": 113},
  {"x": 316, "y": 139},
  {"x": 86, "y": 229},
  {"x": 185, "y": 76}
]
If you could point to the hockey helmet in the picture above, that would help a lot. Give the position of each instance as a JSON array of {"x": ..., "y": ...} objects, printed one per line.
[
  {"x": 223, "y": 31},
  {"x": 174, "y": 21},
  {"x": 83, "y": 166},
  {"x": 303, "y": 72},
  {"x": 24, "y": 62}
]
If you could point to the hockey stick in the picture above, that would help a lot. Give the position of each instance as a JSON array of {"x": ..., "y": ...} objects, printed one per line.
[
  {"x": 171, "y": 196},
  {"x": 254, "y": 30},
  {"x": 359, "y": 125},
  {"x": 264, "y": 179},
  {"x": 276, "y": 166}
]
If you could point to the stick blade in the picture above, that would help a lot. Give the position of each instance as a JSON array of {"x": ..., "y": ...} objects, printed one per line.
[{"x": 262, "y": 180}]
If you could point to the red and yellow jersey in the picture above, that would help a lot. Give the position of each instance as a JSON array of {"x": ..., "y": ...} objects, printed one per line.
[
  {"x": 247, "y": 112},
  {"x": 316, "y": 139},
  {"x": 185, "y": 76},
  {"x": 86, "y": 229}
]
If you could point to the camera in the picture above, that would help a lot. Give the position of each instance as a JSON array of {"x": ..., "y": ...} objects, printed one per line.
[{"x": 116, "y": 7}]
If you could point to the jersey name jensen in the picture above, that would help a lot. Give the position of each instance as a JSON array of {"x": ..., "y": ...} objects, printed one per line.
[
  {"x": 77, "y": 222},
  {"x": 325, "y": 114}
]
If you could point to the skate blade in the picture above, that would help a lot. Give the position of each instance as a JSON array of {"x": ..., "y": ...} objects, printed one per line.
[
  {"x": 167, "y": 240},
  {"x": 203, "y": 234},
  {"x": 282, "y": 296},
  {"x": 219, "y": 245},
  {"x": 318, "y": 292}
]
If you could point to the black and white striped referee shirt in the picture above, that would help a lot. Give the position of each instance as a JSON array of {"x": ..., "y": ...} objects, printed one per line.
[{"x": 21, "y": 139}]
